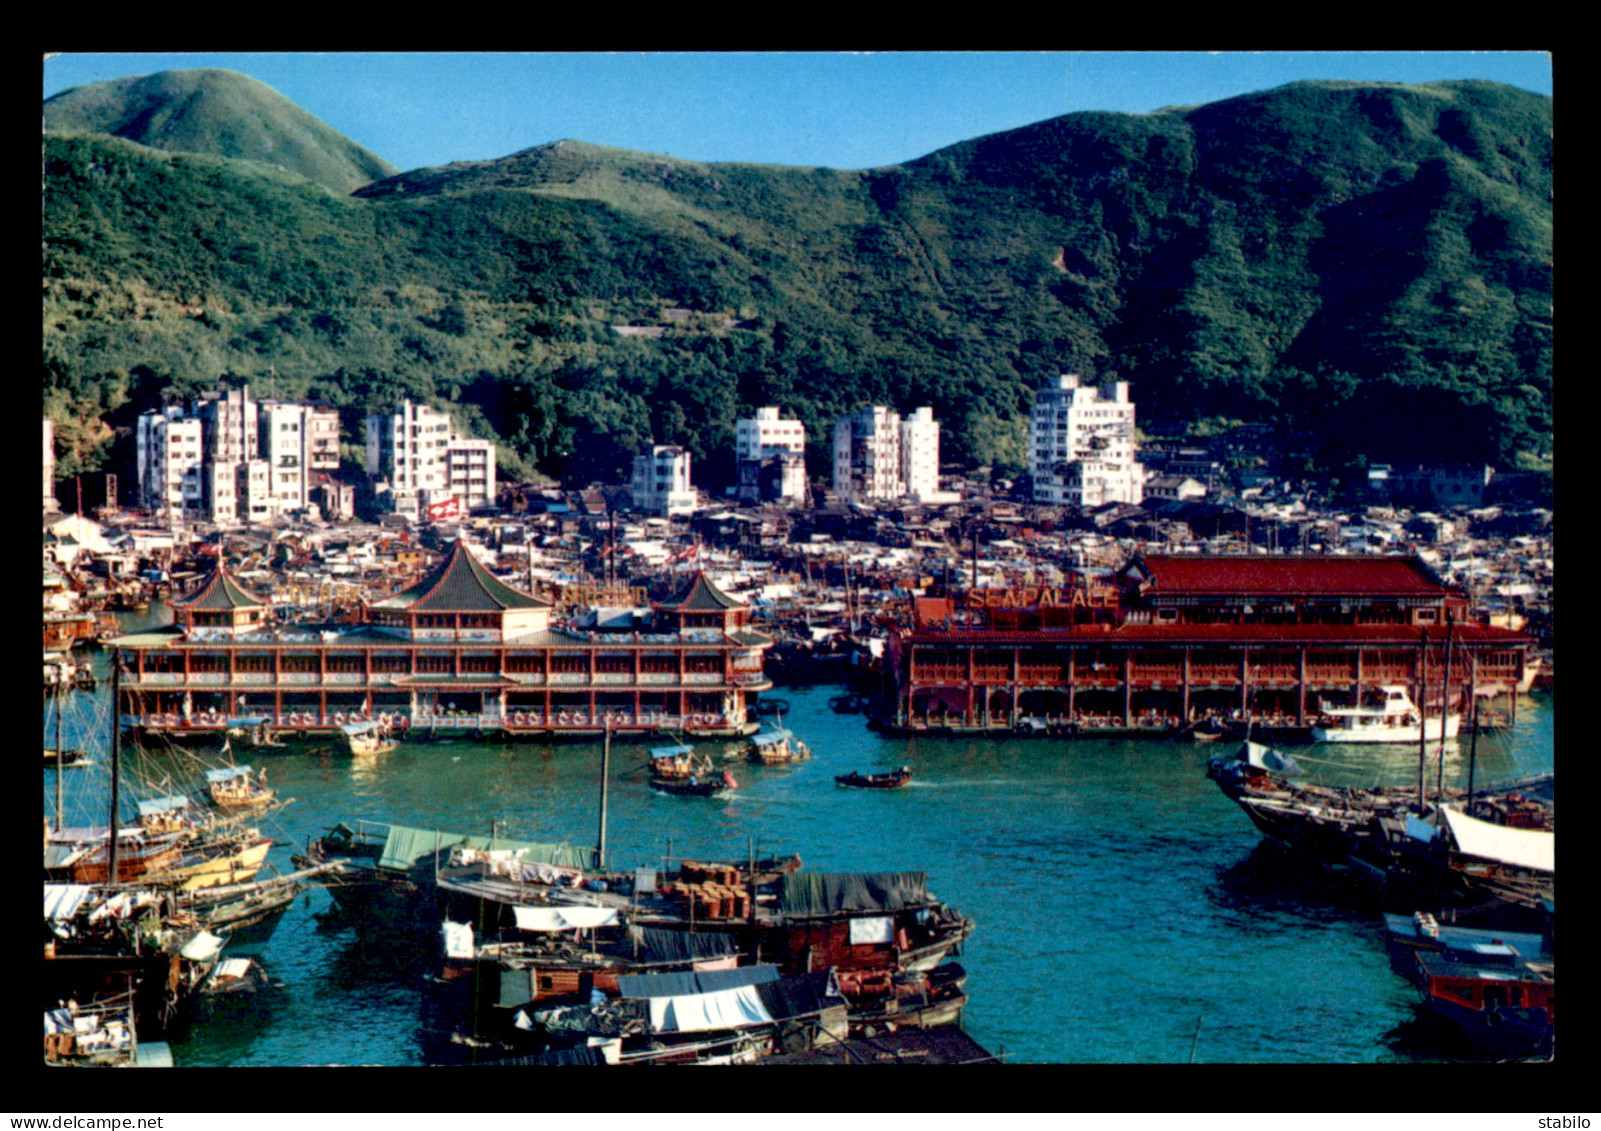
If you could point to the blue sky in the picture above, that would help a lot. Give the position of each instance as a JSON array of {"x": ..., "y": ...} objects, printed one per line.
[{"x": 840, "y": 109}]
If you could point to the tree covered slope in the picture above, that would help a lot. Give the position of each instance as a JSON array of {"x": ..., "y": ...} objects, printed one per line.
[{"x": 1367, "y": 264}]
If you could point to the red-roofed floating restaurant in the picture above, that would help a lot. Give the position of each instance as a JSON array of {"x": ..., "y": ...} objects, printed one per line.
[
  {"x": 459, "y": 651},
  {"x": 1169, "y": 640}
]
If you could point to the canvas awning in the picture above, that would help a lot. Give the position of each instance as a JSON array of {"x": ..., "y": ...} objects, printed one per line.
[
  {"x": 684, "y": 983},
  {"x": 670, "y": 751},
  {"x": 563, "y": 918},
  {"x": 61, "y": 901},
  {"x": 1522, "y": 848},
  {"x": 695, "y": 1013},
  {"x": 227, "y": 773}
]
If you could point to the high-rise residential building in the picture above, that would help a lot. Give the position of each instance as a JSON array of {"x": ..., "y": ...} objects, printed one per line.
[
  {"x": 470, "y": 472},
  {"x": 228, "y": 459},
  {"x": 770, "y": 458},
  {"x": 1081, "y": 445},
  {"x": 920, "y": 455},
  {"x": 49, "y": 467},
  {"x": 880, "y": 456},
  {"x": 867, "y": 455},
  {"x": 418, "y": 461},
  {"x": 169, "y": 452},
  {"x": 406, "y": 457},
  {"x": 660, "y": 482}
]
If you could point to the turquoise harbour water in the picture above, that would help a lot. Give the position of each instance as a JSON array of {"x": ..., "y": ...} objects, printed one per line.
[{"x": 1126, "y": 911}]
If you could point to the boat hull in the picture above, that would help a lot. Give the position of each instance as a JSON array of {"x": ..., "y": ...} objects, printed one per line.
[{"x": 1386, "y": 732}]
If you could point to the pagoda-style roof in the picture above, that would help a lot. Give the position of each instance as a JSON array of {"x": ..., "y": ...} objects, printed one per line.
[
  {"x": 703, "y": 597},
  {"x": 460, "y": 585},
  {"x": 220, "y": 593}
]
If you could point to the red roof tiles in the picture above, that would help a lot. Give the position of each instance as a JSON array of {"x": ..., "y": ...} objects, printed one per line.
[{"x": 1286, "y": 575}]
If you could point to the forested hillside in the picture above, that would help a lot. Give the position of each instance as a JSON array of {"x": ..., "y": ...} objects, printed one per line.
[{"x": 1366, "y": 264}]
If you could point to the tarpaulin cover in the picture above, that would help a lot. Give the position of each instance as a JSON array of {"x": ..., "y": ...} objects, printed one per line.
[
  {"x": 818, "y": 893},
  {"x": 657, "y": 944},
  {"x": 1523, "y": 848},
  {"x": 690, "y": 982},
  {"x": 61, "y": 901},
  {"x": 155, "y": 806},
  {"x": 563, "y": 918},
  {"x": 202, "y": 947},
  {"x": 670, "y": 751},
  {"x": 800, "y": 994},
  {"x": 405, "y": 846},
  {"x": 227, "y": 773},
  {"x": 770, "y": 737},
  {"x": 695, "y": 1013},
  {"x": 565, "y": 855}
]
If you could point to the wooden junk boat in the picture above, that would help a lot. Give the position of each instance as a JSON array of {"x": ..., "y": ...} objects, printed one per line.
[
  {"x": 892, "y": 780},
  {"x": 1495, "y": 847}
]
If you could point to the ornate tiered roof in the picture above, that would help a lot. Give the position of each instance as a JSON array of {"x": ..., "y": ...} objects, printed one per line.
[
  {"x": 220, "y": 593},
  {"x": 460, "y": 584},
  {"x": 703, "y": 597}
]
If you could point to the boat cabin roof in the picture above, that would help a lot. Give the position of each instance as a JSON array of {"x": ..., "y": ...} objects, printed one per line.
[
  {"x": 227, "y": 773},
  {"x": 670, "y": 751}
]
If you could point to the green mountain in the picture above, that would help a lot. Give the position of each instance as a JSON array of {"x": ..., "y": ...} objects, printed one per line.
[
  {"x": 220, "y": 113},
  {"x": 1366, "y": 265}
]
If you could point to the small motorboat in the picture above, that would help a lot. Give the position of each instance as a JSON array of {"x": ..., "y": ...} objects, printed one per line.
[
  {"x": 892, "y": 780},
  {"x": 695, "y": 786}
]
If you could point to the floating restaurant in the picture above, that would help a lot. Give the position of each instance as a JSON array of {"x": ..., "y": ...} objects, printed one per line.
[
  {"x": 457, "y": 652},
  {"x": 1170, "y": 640}
]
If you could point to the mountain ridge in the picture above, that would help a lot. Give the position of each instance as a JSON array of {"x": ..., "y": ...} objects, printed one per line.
[
  {"x": 218, "y": 112},
  {"x": 1395, "y": 266}
]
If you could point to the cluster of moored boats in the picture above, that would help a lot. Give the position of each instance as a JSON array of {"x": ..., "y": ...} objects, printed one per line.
[
  {"x": 1480, "y": 861},
  {"x": 553, "y": 957}
]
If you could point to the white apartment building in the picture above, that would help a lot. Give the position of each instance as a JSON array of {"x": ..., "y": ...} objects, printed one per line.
[
  {"x": 1081, "y": 445},
  {"x": 770, "y": 458},
  {"x": 49, "y": 467},
  {"x": 470, "y": 472},
  {"x": 297, "y": 440},
  {"x": 880, "y": 456},
  {"x": 660, "y": 481},
  {"x": 406, "y": 457},
  {"x": 168, "y": 453},
  {"x": 920, "y": 457},
  {"x": 867, "y": 456}
]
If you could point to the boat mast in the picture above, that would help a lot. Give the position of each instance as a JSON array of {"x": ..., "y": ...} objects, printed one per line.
[
  {"x": 60, "y": 679},
  {"x": 116, "y": 758},
  {"x": 1423, "y": 710},
  {"x": 1473, "y": 748},
  {"x": 1445, "y": 714},
  {"x": 605, "y": 773}
]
